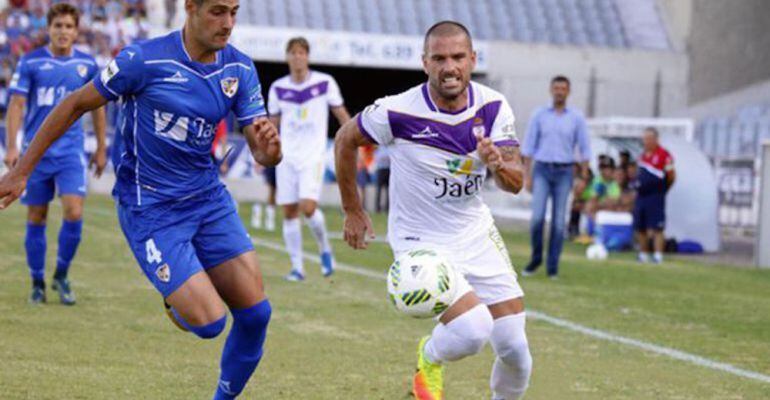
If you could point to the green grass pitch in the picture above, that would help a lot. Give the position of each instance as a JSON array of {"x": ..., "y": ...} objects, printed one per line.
[{"x": 340, "y": 339}]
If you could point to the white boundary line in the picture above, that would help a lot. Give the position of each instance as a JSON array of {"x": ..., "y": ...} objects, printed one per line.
[{"x": 562, "y": 323}]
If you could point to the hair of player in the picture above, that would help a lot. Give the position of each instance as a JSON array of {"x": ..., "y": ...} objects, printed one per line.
[
  {"x": 560, "y": 78},
  {"x": 652, "y": 130},
  {"x": 298, "y": 41},
  {"x": 447, "y": 28},
  {"x": 59, "y": 9}
]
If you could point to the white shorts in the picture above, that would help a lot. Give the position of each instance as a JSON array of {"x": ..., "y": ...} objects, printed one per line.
[
  {"x": 482, "y": 263},
  {"x": 295, "y": 183}
]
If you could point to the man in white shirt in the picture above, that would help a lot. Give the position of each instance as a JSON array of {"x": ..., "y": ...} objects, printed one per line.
[
  {"x": 299, "y": 105},
  {"x": 442, "y": 136}
]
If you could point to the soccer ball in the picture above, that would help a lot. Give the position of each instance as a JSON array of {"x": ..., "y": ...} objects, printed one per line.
[
  {"x": 596, "y": 251},
  {"x": 421, "y": 284}
]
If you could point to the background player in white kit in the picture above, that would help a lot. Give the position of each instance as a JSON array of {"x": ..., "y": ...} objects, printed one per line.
[
  {"x": 299, "y": 105},
  {"x": 443, "y": 135}
]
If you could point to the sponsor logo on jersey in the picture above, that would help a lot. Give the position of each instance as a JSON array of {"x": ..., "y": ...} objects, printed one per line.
[
  {"x": 459, "y": 166},
  {"x": 82, "y": 70},
  {"x": 46, "y": 67},
  {"x": 425, "y": 133},
  {"x": 176, "y": 78},
  {"x": 163, "y": 273},
  {"x": 229, "y": 86}
]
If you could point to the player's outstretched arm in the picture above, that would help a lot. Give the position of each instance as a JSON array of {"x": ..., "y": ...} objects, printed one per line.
[
  {"x": 99, "y": 158},
  {"x": 264, "y": 142},
  {"x": 357, "y": 225},
  {"x": 504, "y": 162},
  {"x": 58, "y": 121},
  {"x": 13, "y": 121}
]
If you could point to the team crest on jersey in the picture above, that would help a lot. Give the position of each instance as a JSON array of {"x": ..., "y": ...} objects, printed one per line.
[
  {"x": 82, "y": 70},
  {"x": 478, "y": 127},
  {"x": 163, "y": 273},
  {"x": 229, "y": 86}
]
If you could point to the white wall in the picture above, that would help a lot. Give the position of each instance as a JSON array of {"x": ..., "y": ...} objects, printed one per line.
[{"x": 625, "y": 78}]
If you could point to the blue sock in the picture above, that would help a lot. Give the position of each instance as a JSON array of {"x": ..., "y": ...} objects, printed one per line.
[
  {"x": 35, "y": 245},
  {"x": 243, "y": 349},
  {"x": 209, "y": 331},
  {"x": 69, "y": 239}
]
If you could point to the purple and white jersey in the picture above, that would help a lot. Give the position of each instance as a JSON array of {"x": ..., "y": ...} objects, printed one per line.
[
  {"x": 436, "y": 174},
  {"x": 304, "y": 111}
]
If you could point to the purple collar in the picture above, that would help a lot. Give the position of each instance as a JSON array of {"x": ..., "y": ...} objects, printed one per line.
[{"x": 433, "y": 107}]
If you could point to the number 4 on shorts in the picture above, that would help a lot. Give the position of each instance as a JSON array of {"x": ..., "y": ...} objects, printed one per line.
[{"x": 153, "y": 254}]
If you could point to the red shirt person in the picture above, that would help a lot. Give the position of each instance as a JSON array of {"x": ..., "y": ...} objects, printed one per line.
[{"x": 654, "y": 177}]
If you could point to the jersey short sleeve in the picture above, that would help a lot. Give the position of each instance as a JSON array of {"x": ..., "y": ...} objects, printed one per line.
[
  {"x": 373, "y": 122},
  {"x": 273, "y": 108},
  {"x": 668, "y": 162},
  {"x": 123, "y": 75},
  {"x": 504, "y": 130},
  {"x": 249, "y": 103},
  {"x": 20, "y": 81},
  {"x": 333, "y": 94}
]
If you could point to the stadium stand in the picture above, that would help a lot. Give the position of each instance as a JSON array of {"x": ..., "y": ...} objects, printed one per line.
[
  {"x": 735, "y": 136},
  {"x": 604, "y": 23}
]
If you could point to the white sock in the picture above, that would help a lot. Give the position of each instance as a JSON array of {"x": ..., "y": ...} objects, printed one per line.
[
  {"x": 270, "y": 217},
  {"x": 256, "y": 216},
  {"x": 464, "y": 336},
  {"x": 317, "y": 224},
  {"x": 658, "y": 257},
  {"x": 644, "y": 257},
  {"x": 292, "y": 236},
  {"x": 513, "y": 365}
]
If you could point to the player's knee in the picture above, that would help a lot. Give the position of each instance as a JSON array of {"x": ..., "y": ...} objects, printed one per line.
[
  {"x": 254, "y": 318},
  {"x": 37, "y": 215},
  {"x": 509, "y": 342},
  {"x": 476, "y": 334},
  {"x": 211, "y": 330}
]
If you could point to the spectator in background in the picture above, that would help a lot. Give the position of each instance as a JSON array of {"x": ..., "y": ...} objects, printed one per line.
[
  {"x": 554, "y": 132},
  {"x": 382, "y": 179},
  {"x": 605, "y": 192},
  {"x": 627, "y": 192},
  {"x": 653, "y": 180}
]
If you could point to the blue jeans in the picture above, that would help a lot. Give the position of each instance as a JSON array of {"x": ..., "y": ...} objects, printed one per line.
[{"x": 555, "y": 181}]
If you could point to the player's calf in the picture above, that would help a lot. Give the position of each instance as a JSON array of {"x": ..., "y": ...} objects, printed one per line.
[
  {"x": 513, "y": 365},
  {"x": 243, "y": 349}
]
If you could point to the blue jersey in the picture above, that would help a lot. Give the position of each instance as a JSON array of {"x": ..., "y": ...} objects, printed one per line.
[
  {"x": 45, "y": 81},
  {"x": 171, "y": 107}
]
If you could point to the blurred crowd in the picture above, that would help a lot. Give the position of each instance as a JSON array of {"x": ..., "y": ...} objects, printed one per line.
[
  {"x": 612, "y": 189},
  {"x": 105, "y": 27}
]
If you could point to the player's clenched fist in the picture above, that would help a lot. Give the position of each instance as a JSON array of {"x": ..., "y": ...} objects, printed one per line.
[
  {"x": 489, "y": 153},
  {"x": 11, "y": 187},
  {"x": 268, "y": 142}
]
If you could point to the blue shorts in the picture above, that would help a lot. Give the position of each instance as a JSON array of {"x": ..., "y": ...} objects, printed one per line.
[
  {"x": 650, "y": 212},
  {"x": 67, "y": 175},
  {"x": 174, "y": 240}
]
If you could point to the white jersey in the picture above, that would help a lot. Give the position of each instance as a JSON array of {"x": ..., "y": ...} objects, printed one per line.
[
  {"x": 304, "y": 111},
  {"x": 436, "y": 174}
]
